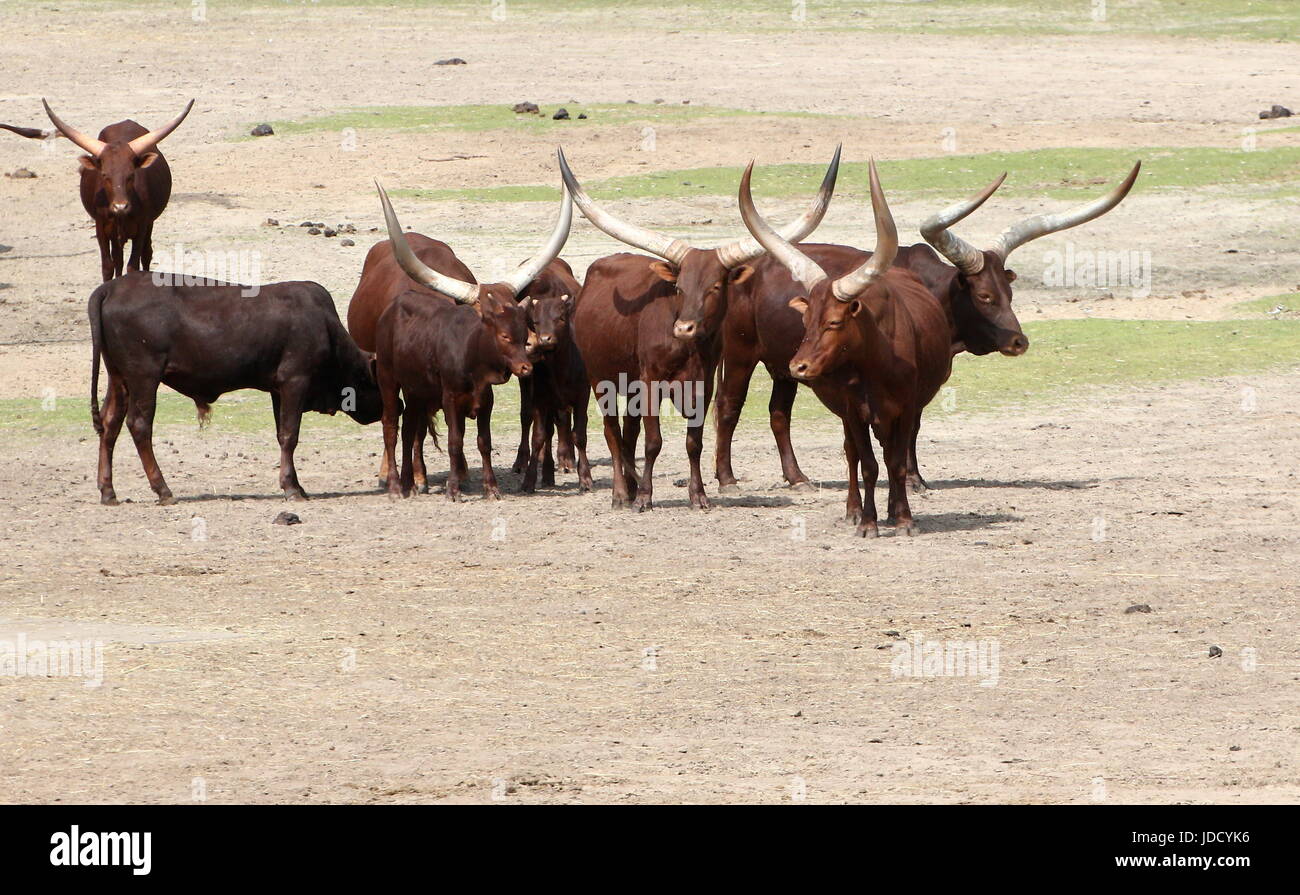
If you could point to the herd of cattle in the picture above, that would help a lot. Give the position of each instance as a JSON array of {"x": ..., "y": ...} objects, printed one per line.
[{"x": 872, "y": 333}]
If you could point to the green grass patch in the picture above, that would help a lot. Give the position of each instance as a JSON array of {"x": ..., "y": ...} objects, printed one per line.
[
  {"x": 1280, "y": 306},
  {"x": 1053, "y": 173},
  {"x": 501, "y": 117}
]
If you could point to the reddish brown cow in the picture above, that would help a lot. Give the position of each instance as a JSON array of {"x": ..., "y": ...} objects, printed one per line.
[
  {"x": 975, "y": 291},
  {"x": 440, "y": 355},
  {"x": 881, "y": 324},
  {"x": 125, "y": 185},
  {"x": 654, "y": 327}
]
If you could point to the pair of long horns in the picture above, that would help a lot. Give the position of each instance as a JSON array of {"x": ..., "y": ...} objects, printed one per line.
[
  {"x": 468, "y": 293},
  {"x": 807, "y": 271},
  {"x": 140, "y": 145},
  {"x": 970, "y": 260},
  {"x": 674, "y": 250}
]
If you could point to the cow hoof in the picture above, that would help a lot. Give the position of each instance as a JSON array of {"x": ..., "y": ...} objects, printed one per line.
[
  {"x": 454, "y": 496},
  {"x": 291, "y": 494},
  {"x": 802, "y": 485},
  {"x": 853, "y": 516},
  {"x": 643, "y": 505},
  {"x": 917, "y": 485},
  {"x": 109, "y": 500},
  {"x": 701, "y": 502},
  {"x": 518, "y": 468},
  {"x": 492, "y": 493},
  {"x": 528, "y": 488},
  {"x": 548, "y": 482},
  {"x": 729, "y": 488},
  {"x": 618, "y": 503},
  {"x": 907, "y": 528},
  {"x": 585, "y": 486},
  {"x": 867, "y": 530},
  {"x": 165, "y": 500}
]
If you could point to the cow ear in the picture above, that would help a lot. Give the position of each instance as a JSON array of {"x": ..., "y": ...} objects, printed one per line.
[
  {"x": 1011, "y": 275},
  {"x": 855, "y": 308},
  {"x": 146, "y": 160},
  {"x": 738, "y": 275},
  {"x": 800, "y": 304},
  {"x": 665, "y": 271},
  {"x": 526, "y": 304},
  {"x": 87, "y": 163}
]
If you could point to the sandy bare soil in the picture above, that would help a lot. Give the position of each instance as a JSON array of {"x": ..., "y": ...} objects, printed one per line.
[{"x": 549, "y": 648}]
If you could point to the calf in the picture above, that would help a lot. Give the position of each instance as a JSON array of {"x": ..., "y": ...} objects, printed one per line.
[
  {"x": 205, "y": 341},
  {"x": 446, "y": 355},
  {"x": 556, "y": 395},
  {"x": 877, "y": 323}
]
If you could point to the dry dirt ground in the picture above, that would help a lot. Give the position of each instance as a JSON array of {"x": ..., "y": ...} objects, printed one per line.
[{"x": 549, "y": 648}]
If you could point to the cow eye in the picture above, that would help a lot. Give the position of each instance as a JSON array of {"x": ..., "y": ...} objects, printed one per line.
[{"x": 984, "y": 297}]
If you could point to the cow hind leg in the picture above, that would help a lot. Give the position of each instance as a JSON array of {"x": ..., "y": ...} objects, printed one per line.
[
  {"x": 118, "y": 245},
  {"x": 113, "y": 416},
  {"x": 731, "y": 401},
  {"x": 917, "y": 484},
  {"x": 536, "y": 451},
  {"x": 580, "y": 445},
  {"x": 779, "y": 409},
  {"x": 631, "y": 432},
  {"x": 564, "y": 453},
  {"x": 420, "y": 474},
  {"x": 614, "y": 441},
  {"x": 141, "y": 403},
  {"x": 857, "y": 438},
  {"x": 548, "y": 460},
  {"x": 491, "y": 489},
  {"x": 412, "y": 416},
  {"x": 896, "y": 447},
  {"x": 525, "y": 426}
]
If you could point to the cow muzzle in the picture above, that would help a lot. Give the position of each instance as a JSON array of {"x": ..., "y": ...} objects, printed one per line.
[
  {"x": 523, "y": 369},
  {"x": 801, "y": 370},
  {"x": 1015, "y": 346},
  {"x": 685, "y": 329},
  {"x": 119, "y": 209}
]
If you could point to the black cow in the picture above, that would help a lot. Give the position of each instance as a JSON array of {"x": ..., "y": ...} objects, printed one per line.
[{"x": 207, "y": 340}]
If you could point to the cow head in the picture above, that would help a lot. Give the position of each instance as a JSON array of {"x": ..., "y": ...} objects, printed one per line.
[
  {"x": 548, "y": 321},
  {"x": 703, "y": 277},
  {"x": 829, "y": 308},
  {"x": 361, "y": 397},
  {"x": 981, "y": 294},
  {"x": 504, "y": 315},
  {"x": 115, "y": 164}
]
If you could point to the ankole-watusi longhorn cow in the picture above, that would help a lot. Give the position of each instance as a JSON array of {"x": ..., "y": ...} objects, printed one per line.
[
  {"x": 879, "y": 324},
  {"x": 654, "y": 326},
  {"x": 125, "y": 185},
  {"x": 974, "y": 289},
  {"x": 442, "y": 354}
]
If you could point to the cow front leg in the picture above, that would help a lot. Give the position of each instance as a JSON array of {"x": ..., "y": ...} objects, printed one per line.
[
  {"x": 857, "y": 445},
  {"x": 118, "y": 245},
  {"x": 145, "y": 243},
  {"x": 564, "y": 441},
  {"x": 420, "y": 474},
  {"x": 491, "y": 489},
  {"x": 288, "y": 411},
  {"x": 779, "y": 408},
  {"x": 731, "y": 401},
  {"x": 113, "y": 416},
  {"x": 631, "y": 432},
  {"x": 536, "y": 450},
  {"x": 388, "y": 479},
  {"x": 654, "y": 441},
  {"x": 141, "y": 403},
  {"x": 548, "y": 460},
  {"x": 695, "y": 438},
  {"x": 105, "y": 251}
]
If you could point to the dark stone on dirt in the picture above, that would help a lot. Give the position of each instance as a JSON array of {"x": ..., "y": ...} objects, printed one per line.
[
  {"x": 347, "y": 228},
  {"x": 270, "y": 222},
  {"x": 454, "y": 60},
  {"x": 314, "y": 231},
  {"x": 1277, "y": 111},
  {"x": 262, "y": 130},
  {"x": 306, "y": 224},
  {"x": 1137, "y": 607},
  {"x": 1215, "y": 652},
  {"x": 329, "y": 232},
  {"x": 287, "y": 519},
  {"x": 561, "y": 115},
  {"x": 346, "y": 242},
  {"x": 22, "y": 174},
  {"x": 526, "y": 108},
  {"x": 582, "y": 115}
]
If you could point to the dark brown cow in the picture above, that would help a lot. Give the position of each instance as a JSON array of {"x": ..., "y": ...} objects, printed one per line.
[
  {"x": 654, "y": 326},
  {"x": 205, "y": 341},
  {"x": 883, "y": 325},
  {"x": 125, "y": 185},
  {"x": 441, "y": 355},
  {"x": 975, "y": 291},
  {"x": 556, "y": 395}
]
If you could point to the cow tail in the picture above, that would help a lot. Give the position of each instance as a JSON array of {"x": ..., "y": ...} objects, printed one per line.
[
  {"x": 96, "y": 312},
  {"x": 433, "y": 429}
]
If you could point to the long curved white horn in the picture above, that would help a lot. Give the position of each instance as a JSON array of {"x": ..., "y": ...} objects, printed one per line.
[
  {"x": 934, "y": 229},
  {"x": 850, "y": 286},
  {"x": 522, "y": 275},
  {"x": 141, "y": 145},
  {"x": 742, "y": 250},
  {"x": 672, "y": 250},
  {"x": 461, "y": 292},
  {"x": 94, "y": 147},
  {"x": 804, "y": 269},
  {"x": 1042, "y": 224}
]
